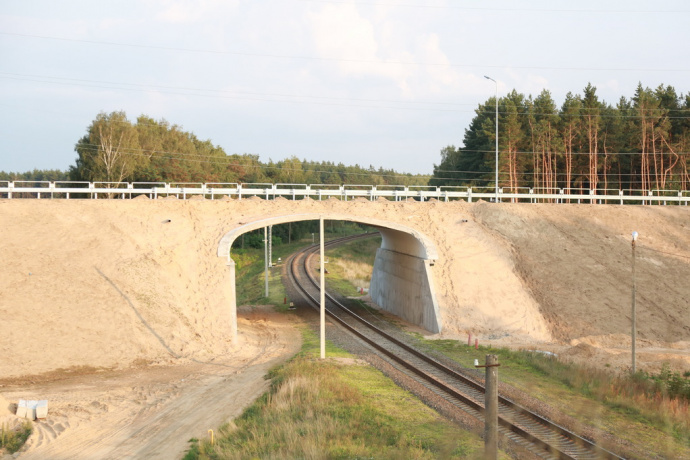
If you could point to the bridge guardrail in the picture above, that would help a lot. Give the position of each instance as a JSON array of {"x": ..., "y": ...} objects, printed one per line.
[{"x": 214, "y": 190}]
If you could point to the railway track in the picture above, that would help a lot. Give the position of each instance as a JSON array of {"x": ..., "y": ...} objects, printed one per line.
[{"x": 529, "y": 430}]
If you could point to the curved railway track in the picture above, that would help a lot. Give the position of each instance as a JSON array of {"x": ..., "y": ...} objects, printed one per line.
[{"x": 535, "y": 433}]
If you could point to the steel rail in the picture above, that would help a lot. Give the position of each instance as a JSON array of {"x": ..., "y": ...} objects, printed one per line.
[{"x": 580, "y": 444}]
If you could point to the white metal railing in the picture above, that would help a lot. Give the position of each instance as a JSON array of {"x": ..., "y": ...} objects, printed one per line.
[{"x": 268, "y": 191}]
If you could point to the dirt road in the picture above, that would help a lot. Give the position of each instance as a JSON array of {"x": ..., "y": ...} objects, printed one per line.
[{"x": 153, "y": 412}]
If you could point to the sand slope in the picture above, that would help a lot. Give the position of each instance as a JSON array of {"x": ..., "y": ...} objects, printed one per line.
[{"x": 577, "y": 262}]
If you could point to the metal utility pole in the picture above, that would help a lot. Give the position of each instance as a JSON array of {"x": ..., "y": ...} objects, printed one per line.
[
  {"x": 323, "y": 291},
  {"x": 266, "y": 259},
  {"x": 634, "y": 289},
  {"x": 270, "y": 245},
  {"x": 496, "y": 83}
]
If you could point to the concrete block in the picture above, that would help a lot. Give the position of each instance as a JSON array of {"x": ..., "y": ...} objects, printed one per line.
[
  {"x": 32, "y": 409},
  {"x": 21, "y": 408},
  {"x": 42, "y": 409}
]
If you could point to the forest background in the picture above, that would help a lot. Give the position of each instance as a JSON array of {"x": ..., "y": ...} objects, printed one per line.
[{"x": 586, "y": 144}]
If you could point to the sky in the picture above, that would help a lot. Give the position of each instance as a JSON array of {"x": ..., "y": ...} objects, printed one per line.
[{"x": 382, "y": 83}]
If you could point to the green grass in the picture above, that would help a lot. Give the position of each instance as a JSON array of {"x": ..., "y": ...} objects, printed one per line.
[
  {"x": 249, "y": 274},
  {"x": 636, "y": 409},
  {"x": 334, "y": 410},
  {"x": 350, "y": 265},
  {"x": 12, "y": 439},
  {"x": 362, "y": 250}
]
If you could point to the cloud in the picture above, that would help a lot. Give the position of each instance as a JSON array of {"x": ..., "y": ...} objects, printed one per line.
[
  {"x": 339, "y": 32},
  {"x": 381, "y": 45},
  {"x": 190, "y": 11}
]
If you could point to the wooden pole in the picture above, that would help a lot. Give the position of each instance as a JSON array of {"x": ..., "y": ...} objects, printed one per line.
[
  {"x": 634, "y": 294},
  {"x": 491, "y": 408}
]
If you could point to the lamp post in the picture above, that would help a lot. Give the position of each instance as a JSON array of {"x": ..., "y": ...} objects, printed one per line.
[
  {"x": 634, "y": 288},
  {"x": 496, "y": 83}
]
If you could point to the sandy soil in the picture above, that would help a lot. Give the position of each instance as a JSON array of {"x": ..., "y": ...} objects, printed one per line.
[
  {"x": 129, "y": 299},
  {"x": 152, "y": 412}
]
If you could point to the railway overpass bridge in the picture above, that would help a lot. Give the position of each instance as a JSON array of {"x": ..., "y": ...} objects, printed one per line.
[
  {"x": 161, "y": 269},
  {"x": 426, "y": 271}
]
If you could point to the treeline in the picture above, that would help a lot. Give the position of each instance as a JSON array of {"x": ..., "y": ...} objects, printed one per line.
[
  {"x": 296, "y": 231},
  {"x": 36, "y": 175},
  {"x": 117, "y": 150},
  {"x": 641, "y": 143}
]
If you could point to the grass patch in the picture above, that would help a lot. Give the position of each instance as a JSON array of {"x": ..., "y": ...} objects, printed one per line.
[
  {"x": 326, "y": 409},
  {"x": 249, "y": 274},
  {"x": 640, "y": 409},
  {"x": 351, "y": 265},
  {"x": 13, "y": 438}
]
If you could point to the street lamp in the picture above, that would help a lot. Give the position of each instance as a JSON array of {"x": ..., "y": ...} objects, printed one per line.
[
  {"x": 634, "y": 288},
  {"x": 496, "y": 83}
]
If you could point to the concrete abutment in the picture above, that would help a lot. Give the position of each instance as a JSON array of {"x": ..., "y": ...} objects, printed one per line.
[{"x": 402, "y": 284}]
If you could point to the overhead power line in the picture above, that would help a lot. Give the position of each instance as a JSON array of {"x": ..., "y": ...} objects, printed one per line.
[
  {"x": 331, "y": 59},
  {"x": 228, "y": 161},
  {"x": 211, "y": 92},
  {"x": 526, "y": 10},
  {"x": 527, "y": 152},
  {"x": 436, "y": 106}
]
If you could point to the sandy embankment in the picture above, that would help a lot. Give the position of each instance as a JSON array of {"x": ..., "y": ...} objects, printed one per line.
[
  {"x": 576, "y": 261},
  {"x": 129, "y": 285}
]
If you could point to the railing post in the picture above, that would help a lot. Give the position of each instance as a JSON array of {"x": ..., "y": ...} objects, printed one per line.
[{"x": 469, "y": 194}]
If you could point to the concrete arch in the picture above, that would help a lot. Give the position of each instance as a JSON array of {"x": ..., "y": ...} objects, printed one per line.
[{"x": 402, "y": 280}]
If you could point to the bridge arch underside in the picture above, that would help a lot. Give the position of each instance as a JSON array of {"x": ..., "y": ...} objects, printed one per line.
[{"x": 402, "y": 281}]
